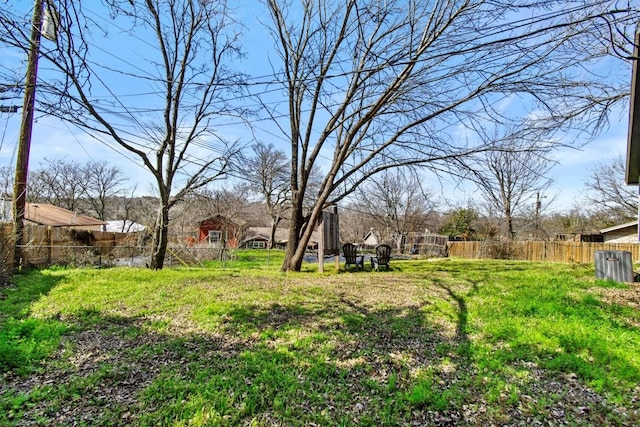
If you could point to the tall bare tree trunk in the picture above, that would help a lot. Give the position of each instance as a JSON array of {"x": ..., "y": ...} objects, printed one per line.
[
  {"x": 274, "y": 226},
  {"x": 160, "y": 238},
  {"x": 364, "y": 85},
  {"x": 293, "y": 261}
]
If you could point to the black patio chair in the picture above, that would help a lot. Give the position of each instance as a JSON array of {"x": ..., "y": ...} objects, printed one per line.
[
  {"x": 383, "y": 256},
  {"x": 350, "y": 253}
]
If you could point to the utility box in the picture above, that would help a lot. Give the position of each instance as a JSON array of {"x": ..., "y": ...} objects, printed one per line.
[{"x": 614, "y": 265}]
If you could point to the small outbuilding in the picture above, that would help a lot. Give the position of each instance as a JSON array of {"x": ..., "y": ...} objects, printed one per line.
[{"x": 54, "y": 216}]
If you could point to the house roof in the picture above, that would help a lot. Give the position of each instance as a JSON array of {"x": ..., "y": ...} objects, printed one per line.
[
  {"x": 619, "y": 227},
  {"x": 264, "y": 233},
  {"x": 222, "y": 218},
  {"x": 632, "y": 174},
  {"x": 54, "y": 216}
]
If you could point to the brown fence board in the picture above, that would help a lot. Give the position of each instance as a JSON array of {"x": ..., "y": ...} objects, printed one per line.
[{"x": 581, "y": 252}]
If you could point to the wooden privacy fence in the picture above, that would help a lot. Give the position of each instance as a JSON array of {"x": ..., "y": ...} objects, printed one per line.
[
  {"x": 581, "y": 252},
  {"x": 45, "y": 246}
]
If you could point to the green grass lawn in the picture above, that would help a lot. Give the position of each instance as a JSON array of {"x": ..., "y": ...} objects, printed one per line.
[{"x": 447, "y": 342}]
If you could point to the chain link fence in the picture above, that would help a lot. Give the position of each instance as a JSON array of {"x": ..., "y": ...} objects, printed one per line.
[
  {"x": 55, "y": 246},
  {"x": 43, "y": 256}
]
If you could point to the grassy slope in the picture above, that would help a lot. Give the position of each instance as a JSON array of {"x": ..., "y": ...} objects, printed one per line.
[{"x": 458, "y": 342}]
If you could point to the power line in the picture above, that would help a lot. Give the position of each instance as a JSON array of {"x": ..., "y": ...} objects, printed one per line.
[{"x": 275, "y": 78}]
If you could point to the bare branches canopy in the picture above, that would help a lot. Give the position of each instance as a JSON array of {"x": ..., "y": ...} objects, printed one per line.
[
  {"x": 372, "y": 85},
  {"x": 356, "y": 87},
  {"x": 607, "y": 194},
  {"x": 182, "y": 75}
]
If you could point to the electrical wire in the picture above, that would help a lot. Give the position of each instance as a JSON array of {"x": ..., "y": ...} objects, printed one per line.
[
  {"x": 275, "y": 78},
  {"x": 488, "y": 33}
]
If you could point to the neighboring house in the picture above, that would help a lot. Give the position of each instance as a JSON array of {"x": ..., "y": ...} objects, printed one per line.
[
  {"x": 221, "y": 231},
  {"x": 54, "y": 216},
  {"x": 123, "y": 226},
  {"x": 51, "y": 216},
  {"x": 256, "y": 241},
  {"x": 371, "y": 239},
  {"x": 258, "y": 238},
  {"x": 623, "y": 233}
]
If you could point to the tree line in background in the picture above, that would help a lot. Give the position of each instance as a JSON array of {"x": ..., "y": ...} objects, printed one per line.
[
  {"x": 368, "y": 93},
  {"x": 393, "y": 206}
]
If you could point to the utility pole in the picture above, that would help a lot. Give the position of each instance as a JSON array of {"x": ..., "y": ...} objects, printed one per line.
[
  {"x": 537, "y": 217},
  {"x": 24, "y": 142}
]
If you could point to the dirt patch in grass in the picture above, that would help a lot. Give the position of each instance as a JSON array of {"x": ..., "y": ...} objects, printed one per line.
[{"x": 625, "y": 297}]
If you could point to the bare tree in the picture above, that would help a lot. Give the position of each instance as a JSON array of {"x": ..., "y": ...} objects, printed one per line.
[
  {"x": 86, "y": 188},
  {"x": 103, "y": 183},
  {"x": 134, "y": 210},
  {"x": 59, "y": 182},
  {"x": 575, "y": 221},
  {"x": 372, "y": 85},
  {"x": 397, "y": 204},
  {"x": 6, "y": 181},
  {"x": 510, "y": 178},
  {"x": 267, "y": 172},
  {"x": 607, "y": 194},
  {"x": 181, "y": 89},
  {"x": 354, "y": 224},
  {"x": 130, "y": 212}
]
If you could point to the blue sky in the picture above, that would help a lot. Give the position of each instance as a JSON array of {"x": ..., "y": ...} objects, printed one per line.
[{"x": 54, "y": 139}]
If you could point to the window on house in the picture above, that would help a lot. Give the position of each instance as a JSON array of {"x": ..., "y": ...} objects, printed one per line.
[
  {"x": 215, "y": 236},
  {"x": 258, "y": 244}
]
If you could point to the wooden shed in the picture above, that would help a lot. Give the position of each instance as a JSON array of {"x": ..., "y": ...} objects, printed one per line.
[{"x": 54, "y": 216}]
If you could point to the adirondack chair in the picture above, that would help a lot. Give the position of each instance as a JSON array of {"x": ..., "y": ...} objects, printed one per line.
[
  {"x": 350, "y": 253},
  {"x": 383, "y": 255}
]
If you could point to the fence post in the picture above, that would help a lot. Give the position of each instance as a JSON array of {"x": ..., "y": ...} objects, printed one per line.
[{"x": 49, "y": 242}]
